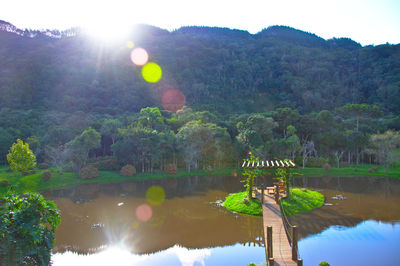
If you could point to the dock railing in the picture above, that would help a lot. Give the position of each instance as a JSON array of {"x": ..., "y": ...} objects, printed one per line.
[{"x": 291, "y": 232}]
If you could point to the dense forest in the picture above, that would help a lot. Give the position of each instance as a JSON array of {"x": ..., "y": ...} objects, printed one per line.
[{"x": 279, "y": 93}]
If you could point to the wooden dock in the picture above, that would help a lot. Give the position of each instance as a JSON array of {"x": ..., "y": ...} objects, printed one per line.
[{"x": 281, "y": 249}]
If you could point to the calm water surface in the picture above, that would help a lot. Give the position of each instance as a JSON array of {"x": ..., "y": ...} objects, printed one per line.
[
  {"x": 358, "y": 225},
  {"x": 116, "y": 224}
]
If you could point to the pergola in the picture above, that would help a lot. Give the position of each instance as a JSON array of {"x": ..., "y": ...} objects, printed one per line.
[
  {"x": 269, "y": 164},
  {"x": 278, "y": 187}
]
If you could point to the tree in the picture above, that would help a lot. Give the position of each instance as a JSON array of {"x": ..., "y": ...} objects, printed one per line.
[
  {"x": 34, "y": 144},
  {"x": 357, "y": 111},
  {"x": 27, "y": 228},
  {"x": 308, "y": 149},
  {"x": 151, "y": 117},
  {"x": 57, "y": 156},
  {"x": 20, "y": 157},
  {"x": 6, "y": 140},
  {"x": 110, "y": 128},
  {"x": 293, "y": 144},
  {"x": 384, "y": 145},
  {"x": 81, "y": 146},
  {"x": 285, "y": 116}
]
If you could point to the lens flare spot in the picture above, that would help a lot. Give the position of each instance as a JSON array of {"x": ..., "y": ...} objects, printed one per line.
[
  {"x": 144, "y": 212},
  {"x": 130, "y": 44},
  {"x": 139, "y": 56},
  {"x": 151, "y": 72},
  {"x": 173, "y": 100},
  {"x": 135, "y": 224},
  {"x": 155, "y": 195}
]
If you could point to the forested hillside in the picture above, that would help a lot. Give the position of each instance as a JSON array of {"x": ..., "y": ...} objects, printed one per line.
[{"x": 281, "y": 92}]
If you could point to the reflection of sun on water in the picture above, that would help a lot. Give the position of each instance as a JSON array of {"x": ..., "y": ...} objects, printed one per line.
[{"x": 119, "y": 255}]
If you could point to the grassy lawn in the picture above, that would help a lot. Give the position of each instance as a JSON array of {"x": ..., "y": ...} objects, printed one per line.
[
  {"x": 234, "y": 202},
  {"x": 361, "y": 170},
  {"x": 302, "y": 200},
  {"x": 34, "y": 182}
]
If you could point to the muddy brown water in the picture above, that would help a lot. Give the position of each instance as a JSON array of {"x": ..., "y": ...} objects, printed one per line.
[
  {"x": 358, "y": 225},
  {"x": 103, "y": 224}
]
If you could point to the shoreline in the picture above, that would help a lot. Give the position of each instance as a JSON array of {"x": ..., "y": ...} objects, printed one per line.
[{"x": 34, "y": 182}]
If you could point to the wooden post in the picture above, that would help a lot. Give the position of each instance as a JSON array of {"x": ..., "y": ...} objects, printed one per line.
[
  {"x": 277, "y": 194},
  {"x": 262, "y": 194},
  {"x": 269, "y": 242},
  {"x": 271, "y": 262},
  {"x": 299, "y": 262},
  {"x": 294, "y": 242}
]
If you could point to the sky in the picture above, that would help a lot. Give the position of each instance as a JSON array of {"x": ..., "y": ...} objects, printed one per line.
[{"x": 369, "y": 22}]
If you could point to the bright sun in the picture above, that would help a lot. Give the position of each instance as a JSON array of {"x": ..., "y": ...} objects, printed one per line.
[{"x": 108, "y": 30}]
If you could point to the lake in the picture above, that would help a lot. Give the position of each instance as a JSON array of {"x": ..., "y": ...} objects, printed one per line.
[{"x": 132, "y": 223}]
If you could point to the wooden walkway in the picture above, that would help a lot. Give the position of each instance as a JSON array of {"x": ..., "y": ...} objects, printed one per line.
[{"x": 282, "y": 251}]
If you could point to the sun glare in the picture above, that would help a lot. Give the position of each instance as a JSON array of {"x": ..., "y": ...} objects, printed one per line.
[{"x": 108, "y": 30}]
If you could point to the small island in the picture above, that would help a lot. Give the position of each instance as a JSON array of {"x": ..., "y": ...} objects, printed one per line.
[
  {"x": 301, "y": 200},
  {"x": 296, "y": 200}
]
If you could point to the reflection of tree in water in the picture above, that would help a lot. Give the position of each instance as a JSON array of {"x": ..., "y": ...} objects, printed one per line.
[
  {"x": 255, "y": 232},
  {"x": 316, "y": 222},
  {"x": 387, "y": 187}
]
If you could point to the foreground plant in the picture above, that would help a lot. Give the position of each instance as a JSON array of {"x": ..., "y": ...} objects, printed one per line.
[{"x": 27, "y": 227}]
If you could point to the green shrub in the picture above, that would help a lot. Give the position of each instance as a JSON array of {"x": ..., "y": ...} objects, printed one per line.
[
  {"x": 30, "y": 172},
  {"x": 68, "y": 167},
  {"x": 47, "y": 175},
  {"x": 27, "y": 229},
  {"x": 372, "y": 169},
  {"x": 171, "y": 168},
  {"x": 43, "y": 166},
  {"x": 128, "y": 170},
  {"x": 324, "y": 263},
  {"x": 316, "y": 162},
  {"x": 107, "y": 163},
  {"x": 88, "y": 172},
  {"x": 4, "y": 183},
  {"x": 344, "y": 164},
  {"x": 327, "y": 167}
]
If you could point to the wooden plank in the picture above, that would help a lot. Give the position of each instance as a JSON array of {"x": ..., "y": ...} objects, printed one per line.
[{"x": 272, "y": 216}]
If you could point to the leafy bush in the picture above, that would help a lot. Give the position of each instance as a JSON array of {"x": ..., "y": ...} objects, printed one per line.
[
  {"x": 128, "y": 170},
  {"x": 372, "y": 169},
  {"x": 20, "y": 157},
  {"x": 47, "y": 175},
  {"x": 324, "y": 263},
  {"x": 27, "y": 229},
  {"x": 108, "y": 163},
  {"x": 43, "y": 166},
  {"x": 31, "y": 172},
  {"x": 316, "y": 162},
  {"x": 171, "y": 168},
  {"x": 4, "y": 183},
  {"x": 88, "y": 172},
  {"x": 327, "y": 167}
]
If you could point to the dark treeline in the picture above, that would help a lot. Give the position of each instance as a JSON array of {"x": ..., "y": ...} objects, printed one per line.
[{"x": 279, "y": 93}]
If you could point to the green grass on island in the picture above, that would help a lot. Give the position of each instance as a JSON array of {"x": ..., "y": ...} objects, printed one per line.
[
  {"x": 234, "y": 202},
  {"x": 302, "y": 200}
]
